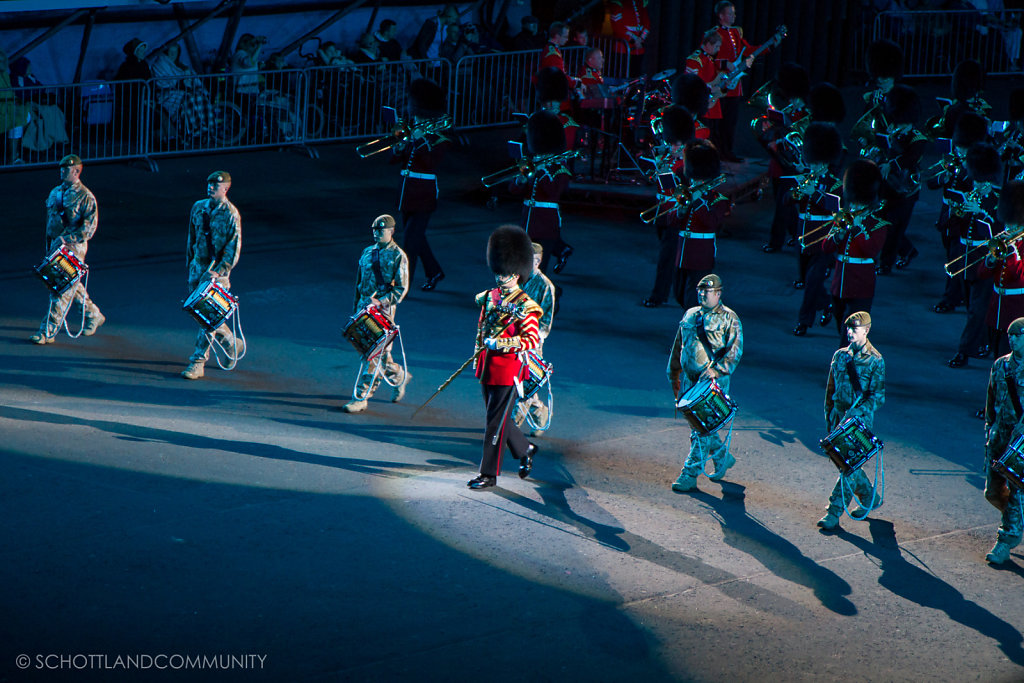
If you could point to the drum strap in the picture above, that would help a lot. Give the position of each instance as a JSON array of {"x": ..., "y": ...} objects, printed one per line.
[
  {"x": 382, "y": 286},
  {"x": 851, "y": 370},
  {"x": 713, "y": 356},
  {"x": 1011, "y": 387},
  {"x": 208, "y": 234}
]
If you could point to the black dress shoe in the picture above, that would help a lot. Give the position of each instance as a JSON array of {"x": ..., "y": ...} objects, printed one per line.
[
  {"x": 432, "y": 282},
  {"x": 798, "y": 284},
  {"x": 904, "y": 261},
  {"x": 958, "y": 361},
  {"x": 883, "y": 270},
  {"x": 563, "y": 258},
  {"x": 651, "y": 303},
  {"x": 769, "y": 249},
  {"x": 800, "y": 330},
  {"x": 526, "y": 462},
  {"x": 826, "y": 316},
  {"x": 943, "y": 307},
  {"x": 482, "y": 482}
]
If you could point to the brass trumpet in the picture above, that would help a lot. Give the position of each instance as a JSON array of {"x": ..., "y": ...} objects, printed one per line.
[
  {"x": 842, "y": 220},
  {"x": 959, "y": 209},
  {"x": 999, "y": 247},
  {"x": 401, "y": 132},
  {"x": 527, "y": 167},
  {"x": 681, "y": 198},
  {"x": 806, "y": 180},
  {"x": 864, "y": 130}
]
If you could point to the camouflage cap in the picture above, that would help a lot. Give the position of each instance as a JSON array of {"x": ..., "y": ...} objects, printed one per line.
[
  {"x": 710, "y": 282},
  {"x": 1016, "y": 327},
  {"x": 383, "y": 222},
  {"x": 537, "y": 249},
  {"x": 71, "y": 160},
  {"x": 219, "y": 177},
  {"x": 859, "y": 319}
]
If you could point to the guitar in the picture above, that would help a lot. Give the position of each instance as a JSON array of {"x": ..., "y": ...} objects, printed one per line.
[{"x": 732, "y": 76}]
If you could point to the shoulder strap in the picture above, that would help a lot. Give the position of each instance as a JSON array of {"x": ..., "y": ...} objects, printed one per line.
[
  {"x": 851, "y": 370},
  {"x": 382, "y": 285},
  {"x": 1011, "y": 386},
  {"x": 702, "y": 334},
  {"x": 207, "y": 233}
]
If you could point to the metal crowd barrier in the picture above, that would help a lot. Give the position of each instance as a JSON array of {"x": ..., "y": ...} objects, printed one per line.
[
  {"x": 487, "y": 89},
  {"x": 934, "y": 42}
]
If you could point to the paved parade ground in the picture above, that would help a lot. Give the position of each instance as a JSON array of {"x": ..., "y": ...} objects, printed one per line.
[{"x": 245, "y": 516}]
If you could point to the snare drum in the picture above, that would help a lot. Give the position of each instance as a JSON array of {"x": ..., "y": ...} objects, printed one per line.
[
  {"x": 1011, "y": 465},
  {"x": 370, "y": 331},
  {"x": 210, "y": 304},
  {"x": 61, "y": 270},
  {"x": 850, "y": 445},
  {"x": 538, "y": 374},
  {"x": 706, "y": 407}
]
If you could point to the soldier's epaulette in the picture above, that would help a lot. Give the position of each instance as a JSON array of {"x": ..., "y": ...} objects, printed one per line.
[
  {"x": 561, "y": 169},
  {"x": 481, "y": 298},
  {"x": 917, "y": 136}
]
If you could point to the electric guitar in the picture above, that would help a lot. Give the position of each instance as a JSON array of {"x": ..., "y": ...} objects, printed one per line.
[{"x": 739, "y": 67}]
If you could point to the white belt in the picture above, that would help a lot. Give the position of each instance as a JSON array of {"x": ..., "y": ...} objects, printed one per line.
[
  {"x": 697, "y": 235},
  {"x": 812, "y": 217},
  {"x": 421, "y": 176},
  {"x": 853, "y": 259},
  {"x": 973, "y": 243},
  {"x": 541, "y": 205},
  {"x": 1008, "y": 292}
]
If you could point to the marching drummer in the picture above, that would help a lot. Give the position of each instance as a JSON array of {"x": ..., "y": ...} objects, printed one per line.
[
  {"x": 708, "y": 346},
  {"x": 382, "y": 281},
  {"x": 214, "y": 244},
  {"x": 856, "y": 388},
  {"x": 71, "y": 218}
]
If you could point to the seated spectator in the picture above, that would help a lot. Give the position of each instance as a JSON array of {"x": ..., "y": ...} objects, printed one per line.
[
  {"x": 45, "y": 125},
  {"x": 530, "y": 38},
  {"x": 433, "y": 32},
  {"x": 367, "y": 51},
  {"x": 328, "y": 54},
  {"x": 181, "y": 93},
  {"x": 390, "y": 49},
  {"x": 13, "y": 116},
  {"x": 130, "y": 95},
  {"x": 133, "y": 66},
  {"x": 454, "y": 47},
  {"x": 475, "y": 42},
  {"x": 579, "y": 35},
  {"x": 246, "y": 62}
]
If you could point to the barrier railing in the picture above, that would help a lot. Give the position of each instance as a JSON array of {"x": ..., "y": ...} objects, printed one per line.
[{"x": 935, "y": 42}]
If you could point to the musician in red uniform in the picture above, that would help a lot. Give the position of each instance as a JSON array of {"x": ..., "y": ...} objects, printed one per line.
[
  {"x": 508, "y": 326},
  {"x": 420, "y": 156},
  {"x": 558, "y": 35},
  {"x": 1005, "y": 264},
  {"x": 630, "y": 26},
  {"x": 690, "y": 91},
  {"x": 975, "y": 221},
  {"x": 856, "y": 243},
  {"x": 553, "y": 96},
  {"x": 541, "y": 191},
  {"x": 733, "y": 45},
  {"x": 702, "y": 64},
  {"x": 590, "y": 76}
]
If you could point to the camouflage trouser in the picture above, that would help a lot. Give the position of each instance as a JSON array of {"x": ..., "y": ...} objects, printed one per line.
[
  {"x": 60, "y": 307},
  {"x": 223, "y": 333},
  {"x": 368, "y": 382},
  {"x": 856, "y": 484},
  {"x": 711, "y": 447},
  {"x": 1008, "y": 500}
]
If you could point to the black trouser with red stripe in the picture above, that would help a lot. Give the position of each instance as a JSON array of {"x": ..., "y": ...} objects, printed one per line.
[{"x": 501, "y": 429}]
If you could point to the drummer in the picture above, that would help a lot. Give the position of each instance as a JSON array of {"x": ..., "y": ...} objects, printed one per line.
[
  {"x": 856, "y": 388},
  {"x": 382, "y": 280},
  {"x": 708, "y": 346}
]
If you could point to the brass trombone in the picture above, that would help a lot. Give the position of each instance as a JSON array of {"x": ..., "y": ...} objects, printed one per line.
[
  {"x": 949, "y": 163},
  {"x": 842, "y": 221},
  {"x": 999, "y": 247},
  {"x": 681, "y": 198},
  {"x": 401, "y": 132},
  {"x": 806, "y": 180},
  {"x": 527, "y": 167}
]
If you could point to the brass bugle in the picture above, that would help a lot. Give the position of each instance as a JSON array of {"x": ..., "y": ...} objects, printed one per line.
[
  {"x": 997, "y": 247},
  {"x": 680, "y": 198},
  {"x": 527, "y": 167},
  {"x": 841, "y": 220},
  {"x": 401, "y": 132}
]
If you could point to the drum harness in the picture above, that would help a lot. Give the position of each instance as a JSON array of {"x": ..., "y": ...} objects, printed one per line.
[
  {"x": 66, "y": 222},
  {"x": 878, "y": 489},
  {"x": 1011, "y": 388},
  {"x": 236, "y": 319},
  {"x": 383, "y": 286},
  {"x": 713, "y": 357}
]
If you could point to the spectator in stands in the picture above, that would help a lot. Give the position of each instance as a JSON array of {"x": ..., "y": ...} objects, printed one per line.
[
  {"x": 45, "y": 125},
  {"x": 246, "y": 63},
  {"x": 181, "y": 93},
  {"x": 434, "y": 32},
  {"x": 134, "y": 66},
  {"x": 367, "y": 51},
  {"x": 454, "y": 47},
  {"x": 476, "y": 43},
  {"x": 390, "y": 49},
  {"x": 129, "y": 95},
  {"x": 579, "y": 35},
  {"x": 12, "y": 116},
  {"x": 530, "y": 38}
]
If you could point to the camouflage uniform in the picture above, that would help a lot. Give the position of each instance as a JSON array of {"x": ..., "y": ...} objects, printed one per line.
[
  {"x": 842, "y": 403},
  {"x": 71, "y": 215},
  {"x": 542, "y": 291},
  {"x": 1002, "y": 425},
  {"x": 688, "y": 360},
  {"x": 394, "y": 268},
  {"x": 225, "y": 239}
]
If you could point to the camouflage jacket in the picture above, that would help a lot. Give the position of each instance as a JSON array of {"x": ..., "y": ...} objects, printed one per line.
[
  {"x": 71, "y": 213},
  {"x": 394, "y": 268},
  {"x": 542, "y": 291},
  {"x": 1002, "y": 423},
  {"x": 839, "y": 394},
  {"x": 225, "y": 238},
  {"x": 724, "y": 333}
]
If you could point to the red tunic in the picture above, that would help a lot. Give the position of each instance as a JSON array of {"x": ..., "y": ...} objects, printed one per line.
[
  {"x": 703, "y": 65},
  {"x": 733, "y": 43},
  {"x": 1008, "y": 282},
  {"x": 552, "y": 57},
  {"x": 815, "y": 211},
  {"x": 699, "y": 227},
  {"x": 631, "y": 24},
  {"x": 590, "y": 77},
  {"x": 420, "y": 160},
  {"x": 971, "y": 232},
  {"x": 854, "y": 275},
  {"x": 541, "y": 218},
  {"x": 497, "y": 309}
]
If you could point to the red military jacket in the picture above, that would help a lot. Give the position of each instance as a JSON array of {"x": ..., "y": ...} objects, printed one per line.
[
  {"x": 699, "y": 227},
  {"x": 1008, "y": 283},
  {"x": 420, "y": 159},
  {"x": 971, "y": 232},
  {"x": 854, "y": 274},
  {"x": 541, "y": 217},
  {"x": 780, "y": 162},
  {"x": 589, "y": 76},
  {"x": 814, "y": 211},
  {"x": 733, "y": 43},
  {"x": 631, "y": 24},
  {"x": 552, "y": 56},
  {"x": 703, "y": 64},
  {"x": 498, "y": 308}
]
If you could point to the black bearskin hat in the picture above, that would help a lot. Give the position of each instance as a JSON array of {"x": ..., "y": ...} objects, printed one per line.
[
  {"x": 822, "y": 143},
  {"x": 544, "y": 134},
  {"x": 826, "y": 103},
  {"x": 426, "y": 99},
  {"x": 902, "y": 105},
  {"x": 1017, "y": 104},
  {"x": 1011, "y": 203},
  {"x": 691, "y": 92},
  {"x": 792, "y": 81},
  {"x": 969, "y": 128},
  {"x": 510, "y": 252},
  {"x": 885, "y": 59},
  {"x": 967, "y": 80},
  {"x": 984, "y": 164},
  {"x": 701, "y": 160},
  {"x": 861, "y": 182},
  {"x": 676, "y": 124},
  {"x": 552, "y": 85}
]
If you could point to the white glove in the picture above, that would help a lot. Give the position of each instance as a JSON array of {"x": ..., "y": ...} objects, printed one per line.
[{"x": 491, "y": 344}]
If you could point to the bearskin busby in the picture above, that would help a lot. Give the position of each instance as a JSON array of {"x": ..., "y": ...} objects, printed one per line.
[
  {"x": 701, "y": 160},
  {"x": 826, "y": 104},
  {"x": 967, "y": 80},
  {"x": 510, "y": 252},
  {"x": 861, "y": 182},
  {"x": 822, "y": 143},
  {"x": 552, "y": 85},
  {"x": 902, "y": 105},
  {"x": 1011, "y": 203},
  {"x": 885, "y": 59},
  {"x": 984, "y": 164},
  {"x": 426, "y": 99},
  {"x": 691, "y": 92},
  {"x": 544, "y": 134},
  {"x": 969, "y": 128},
  {"x": 676, "y": 124}
]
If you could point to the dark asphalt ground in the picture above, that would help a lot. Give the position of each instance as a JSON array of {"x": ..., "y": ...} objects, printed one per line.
[{"x": 245, "y": 515}]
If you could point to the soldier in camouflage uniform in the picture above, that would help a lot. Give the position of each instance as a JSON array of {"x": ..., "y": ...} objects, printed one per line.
[
  {"x": 382, "y": 280},
  {"x": 696, "y": 357},
  {"x": 71, "y": 218},
  {"x": 542, "y": 291},
  {"x": 843, "y": 400},
  {"x": 214, "y": 244}
]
